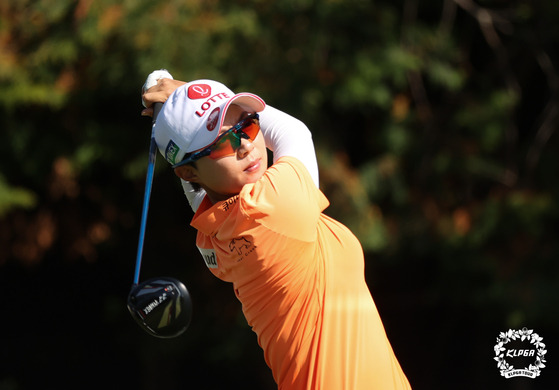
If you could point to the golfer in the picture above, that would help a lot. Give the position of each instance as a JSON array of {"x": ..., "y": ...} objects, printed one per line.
[{"x": 298, "y": 273}]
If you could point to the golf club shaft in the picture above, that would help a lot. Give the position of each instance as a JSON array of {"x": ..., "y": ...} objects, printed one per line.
[{"x": 147, "y": 194}]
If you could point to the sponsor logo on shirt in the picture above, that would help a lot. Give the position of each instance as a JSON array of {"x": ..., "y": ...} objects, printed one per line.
[
  {"x": 209, "y": 257},
  {"x": 226, "y": 205},
  {"x": 241, "y": 247}
]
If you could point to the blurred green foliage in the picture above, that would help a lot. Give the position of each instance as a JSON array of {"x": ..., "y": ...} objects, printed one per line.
[{"x": 435, "y": 130}]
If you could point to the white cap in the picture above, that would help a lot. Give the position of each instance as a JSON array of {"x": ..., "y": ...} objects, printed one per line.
[{"x": 193, "y": 115}]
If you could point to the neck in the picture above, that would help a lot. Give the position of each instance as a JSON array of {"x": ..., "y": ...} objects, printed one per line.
[{"x": 215, "y": 197}]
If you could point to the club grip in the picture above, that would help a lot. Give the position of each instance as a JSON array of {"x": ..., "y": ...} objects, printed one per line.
[{"x": 156, "y": 109}]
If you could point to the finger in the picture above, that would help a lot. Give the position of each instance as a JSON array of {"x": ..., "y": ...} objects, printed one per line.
[
  {"x": 159, "y": 92},
  {"x": 147, "y": 111},
  {"x": 153, "y": 79},
  {"x": 154, "y": 95}
]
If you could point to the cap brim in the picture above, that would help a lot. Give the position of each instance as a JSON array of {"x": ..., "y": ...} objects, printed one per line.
[{"x": 247, "y": 100}]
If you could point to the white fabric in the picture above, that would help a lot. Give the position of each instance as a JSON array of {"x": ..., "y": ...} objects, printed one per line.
[
  {"x": 284, "y": 136},
  {"x": 192, "y": 116},
  {"x": 152, "y": 79}
]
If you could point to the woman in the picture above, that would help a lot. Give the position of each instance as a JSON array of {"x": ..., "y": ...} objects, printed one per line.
[{"x": 298, "y": 273}]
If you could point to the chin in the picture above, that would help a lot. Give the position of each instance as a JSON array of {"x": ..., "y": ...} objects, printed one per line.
[{"x": 253, "y": 178}]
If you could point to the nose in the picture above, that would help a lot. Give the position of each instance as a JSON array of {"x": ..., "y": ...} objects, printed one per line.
[{"x": 245, "y": 148}]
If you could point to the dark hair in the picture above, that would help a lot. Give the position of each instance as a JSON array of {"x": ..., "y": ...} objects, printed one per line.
[{"x": 195, "y": 186}]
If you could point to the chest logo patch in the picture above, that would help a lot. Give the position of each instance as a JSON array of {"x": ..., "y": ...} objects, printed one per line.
[{"x": 241, "y": 247}]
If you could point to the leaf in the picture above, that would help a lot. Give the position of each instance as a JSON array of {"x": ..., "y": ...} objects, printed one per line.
[{"x": 15, "y": 197}]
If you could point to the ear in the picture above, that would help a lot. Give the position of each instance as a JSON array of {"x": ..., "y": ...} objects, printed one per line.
[{"x": 188, "y": 173}]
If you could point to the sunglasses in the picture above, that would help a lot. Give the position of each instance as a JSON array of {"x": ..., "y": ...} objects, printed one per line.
[{"x": 229, "y": 142}]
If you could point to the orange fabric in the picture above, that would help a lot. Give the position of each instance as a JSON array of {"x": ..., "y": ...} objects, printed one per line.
[{"x": 300, "y": 278}]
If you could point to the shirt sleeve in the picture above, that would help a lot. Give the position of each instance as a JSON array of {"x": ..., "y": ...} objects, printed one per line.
[
  {"x": 288, "y": 136},
  {"x": 285, "y": 136},
  {"x": 285, "y": 200}
]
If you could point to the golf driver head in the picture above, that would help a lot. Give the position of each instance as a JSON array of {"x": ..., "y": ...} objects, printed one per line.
[{"x": 162, "y": 306}]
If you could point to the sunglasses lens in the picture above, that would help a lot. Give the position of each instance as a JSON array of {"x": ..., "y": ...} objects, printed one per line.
[
  {"x": 226, "y": 146},
  {"x": 251, "y": 129},
  {"x": 231, "y": 140}
]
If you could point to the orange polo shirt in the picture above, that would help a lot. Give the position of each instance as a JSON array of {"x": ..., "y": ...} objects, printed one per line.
[{"x": 300, "y": 278}]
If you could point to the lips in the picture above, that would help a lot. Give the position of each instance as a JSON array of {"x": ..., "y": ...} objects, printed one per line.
[{"x": 253, "y": 166}]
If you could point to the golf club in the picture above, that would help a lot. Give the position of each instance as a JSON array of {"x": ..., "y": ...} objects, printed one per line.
[{"x": 161, "y": 305}]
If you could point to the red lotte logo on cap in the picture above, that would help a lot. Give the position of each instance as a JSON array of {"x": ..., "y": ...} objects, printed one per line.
[
  {"x": 204, "y": 91},
  {"x": 212, "y": 119},
  {"x": 199, "y": 91}
]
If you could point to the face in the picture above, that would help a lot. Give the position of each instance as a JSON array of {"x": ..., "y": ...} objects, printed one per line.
[{"x": 226, "y": 176}]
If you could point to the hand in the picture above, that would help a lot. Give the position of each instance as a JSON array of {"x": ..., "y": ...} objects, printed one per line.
[{"x": 159, "y": 93}]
